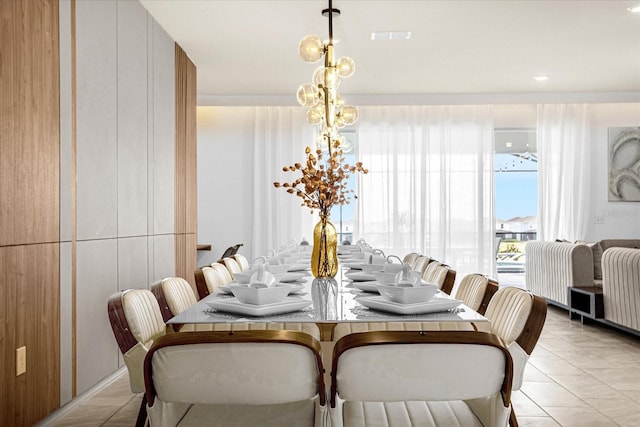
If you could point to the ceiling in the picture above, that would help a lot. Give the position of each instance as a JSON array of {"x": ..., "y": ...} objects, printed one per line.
[{"x": 247, "y": 49}]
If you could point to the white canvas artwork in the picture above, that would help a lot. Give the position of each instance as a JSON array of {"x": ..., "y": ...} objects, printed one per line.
[{"x": 624, "y": 164}]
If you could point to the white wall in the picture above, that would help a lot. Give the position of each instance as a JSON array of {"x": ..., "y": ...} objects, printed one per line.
[
  {"x": 618, "y": 219},
  {"x": 225, "y": 159}
]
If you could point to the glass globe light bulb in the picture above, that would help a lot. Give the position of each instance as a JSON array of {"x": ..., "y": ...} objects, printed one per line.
[
  {"x": 326, "y": 77},
  {"x": 349, "y": 114},
  {"x": 345, "y": 66},
  {"x": 339, "y": 122},
  {"x": 311, "y": 48},
  {"x": 315, "y": 115},
  {"x": 308, "y": 95}
]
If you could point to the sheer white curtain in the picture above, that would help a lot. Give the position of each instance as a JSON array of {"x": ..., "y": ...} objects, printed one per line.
[
  {"x": 430, "y": 183},
  {"x": 280, "y": 137},
  {"x": 564, "y": 164}
]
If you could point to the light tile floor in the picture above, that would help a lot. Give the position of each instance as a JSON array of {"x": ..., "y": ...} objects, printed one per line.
[{"x": 579, "y": 375}]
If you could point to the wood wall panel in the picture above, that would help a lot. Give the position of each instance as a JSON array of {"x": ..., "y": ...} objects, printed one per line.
[
  {"x": 185, "y": 189},
  {"x": 29, "y": 209},
  {"x": 29, "y": 316},
  {"x": 29, "y": 122}
]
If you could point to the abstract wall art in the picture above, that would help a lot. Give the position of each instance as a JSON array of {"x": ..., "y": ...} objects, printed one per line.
[{"x": 624, "y": 164}]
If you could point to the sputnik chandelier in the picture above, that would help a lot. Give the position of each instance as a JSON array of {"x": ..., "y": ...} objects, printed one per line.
[{"x": 325, "y": 106}]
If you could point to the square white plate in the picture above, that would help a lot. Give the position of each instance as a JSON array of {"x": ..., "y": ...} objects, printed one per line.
[
  {"x": 291, "y": 277},
  {"x": 359, "y": 276},
  {"x": 299, "y": 267},
  {"x": 369, "y": 286},
  {"x": 232, "y": 305},
  {"x": 295, "y": 288},
  {"x": 434, "y": 305}
]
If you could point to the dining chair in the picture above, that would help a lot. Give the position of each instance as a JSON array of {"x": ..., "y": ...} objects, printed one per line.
[
  {"x": 232, "y": 265},
  {"x": 174, "y": 295},
  {"x": 517, "y": 316},
  {"x": 136, "y": 322},
  {"x": 476, "y": 290},
  {"x": 420, "y": 264},
  {"x": 410, "y": 378},
  {"x": 223, "y": 272},
  {"x": 242, "y": 261},
  {"x": 243, "y": 378},
  {"x": 441, "y": 275},
  {"x": 208, "y": 280},
  {"x": 410, "y": 258}
]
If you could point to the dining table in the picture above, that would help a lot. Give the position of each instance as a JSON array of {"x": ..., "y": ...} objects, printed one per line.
[{"x": 327, "y": 302}]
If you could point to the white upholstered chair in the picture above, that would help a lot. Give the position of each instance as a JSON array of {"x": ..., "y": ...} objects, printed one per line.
[
  {"x": 410, "y": 258},
  {"x": 232, "y": 265},
  {"x": 223, "y": 272},
  {"x": 208, "y": 280},
  {"x": 475, "y": 291},
  {"x": 136, "y": 322},
  {"x": 517, "y": 316},
  {"x": 242, "y": 261},
  {"x": 406, "y": 379},
  {"x": 174, "y": 295},
  {"x": 244, "y": 378},
  {"x": 421, "y": 263},
  {"x": 441, "y": 275}
]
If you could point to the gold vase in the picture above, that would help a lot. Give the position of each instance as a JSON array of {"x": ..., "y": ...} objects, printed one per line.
[{"x": 324, "y": 258}]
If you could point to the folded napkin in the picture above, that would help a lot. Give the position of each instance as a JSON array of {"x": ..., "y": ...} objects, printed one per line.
[
  {"x": 262, "y": 278},
  {"x": 407, "y": 277}
]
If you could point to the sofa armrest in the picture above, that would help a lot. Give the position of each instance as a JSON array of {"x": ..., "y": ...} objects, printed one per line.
[
  {"x": 621, "y": 286},
  {"x": 553, "y": 266}
]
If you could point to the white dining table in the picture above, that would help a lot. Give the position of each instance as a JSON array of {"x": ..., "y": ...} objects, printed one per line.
[{"x": 341, "y": 304}]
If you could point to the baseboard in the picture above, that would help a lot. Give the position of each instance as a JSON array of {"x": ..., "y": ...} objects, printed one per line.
[{"x": 63, "y": 411}]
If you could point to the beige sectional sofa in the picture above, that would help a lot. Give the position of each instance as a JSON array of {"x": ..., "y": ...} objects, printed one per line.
[{"x": 612, "y": 265}]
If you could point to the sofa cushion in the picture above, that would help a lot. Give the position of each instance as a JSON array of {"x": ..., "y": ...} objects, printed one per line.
[{"x": 596, "y": 249}]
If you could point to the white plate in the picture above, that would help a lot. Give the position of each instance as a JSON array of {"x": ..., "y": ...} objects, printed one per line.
[
  {"x": 225, "y": 289},
  {"x": 232, "y": 305},
  {"x": 354, "y": 265},
  {"x": 434, "y": 305},
  {"x": 370, "y": 286},
  {"x": 295, "y": 288},
  {"x": 358, "y": 276},
  {"x": 299, "y": 267},
  {"x": 291, "y": 277}
]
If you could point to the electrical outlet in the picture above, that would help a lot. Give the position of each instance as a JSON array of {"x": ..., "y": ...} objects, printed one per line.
[
  {"x": 599, "y": 219},
  {"x": 21, "y": 361}
]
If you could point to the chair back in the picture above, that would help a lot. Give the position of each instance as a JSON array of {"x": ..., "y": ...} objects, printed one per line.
[
  {"x": 232, "y": 266},
  {"x": 223, "y": 272},
  {"x": 432, "y": 273},
  {"x": 242, "y": 261},
  {"x": 136, "y": 322},
  {"x": 410, "y": 258},
  {"x": 256, "y": 368},
  {"x": 396, "y": 366},
  {"x": 517, "y": 317},
  {"x": 207, "y": 280},
  {"x": 420, "y": 264},
  {"x": 476, "y": 290},
  {"x": 179, "y": 294}
]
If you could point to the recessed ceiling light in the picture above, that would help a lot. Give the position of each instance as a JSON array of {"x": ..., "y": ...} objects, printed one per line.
[
  {"x": 391, "y": 35},
  {"x": 634, "y": 9},
  {"x": 540, "y": 78}
]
